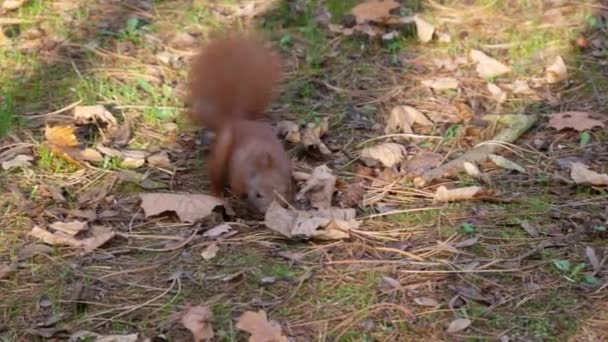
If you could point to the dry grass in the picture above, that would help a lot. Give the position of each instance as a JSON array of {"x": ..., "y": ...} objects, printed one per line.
[{"x": 474, "y": 258}]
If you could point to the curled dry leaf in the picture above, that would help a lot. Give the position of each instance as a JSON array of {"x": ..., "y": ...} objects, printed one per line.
[
  {"x": 198, "y": 320},
  {"x": 97, "y": 236},
  {"x": 374, "y": 11},
  {"x": 289, "y": 131},
  {"x": 320, "y": 187},
  {"x": 261, "y": 330},
  {"x": 497, "y": 93},
  {"x": 443, "y": 83},
  {"x": 581, "y": 174},
  {"x": 188, "y": 207},
  {"x": 132, "y": 163},
  {"x": 71, "y": 228},
  {"x": 311, "y": 135},
  {"x": 426, "y": 301},
  {"x": 20, "y": 160},
  {"x": 506, "y": 163},
  {"x": 521, "y": 87},
  {"x": 388, "y": 154},
  {"x": 329, "y": 224},
  {"x": 579, "y": 121},
  {"x": 424, "y": 29},
  {"x": 473, "y": 171},
  {"x": 211, "y": 251},
  {"x": 402, "y": 118},
  {"x": 458, "y": 325},
  {"x": 84, "y": 115},
  {"x": 453, "y": 195},
  {"x": 217, "y": 230},
  {"x": 487, "y": 66},
  {"x": 557, "y": 71},
  {"x": 61, "y": 136}
]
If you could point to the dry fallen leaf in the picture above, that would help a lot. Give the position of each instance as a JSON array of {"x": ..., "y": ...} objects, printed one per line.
[
  {"x": 386, "y": 177},
  {"x": 443, "y": 83},
  {"x": 330, "y": 224},
  {"x": 217, "y": 230},
  {"x": 159, "y": 159},
  {"x": 11, "y": 5},
  {"x": 98, "y": 235},
  {"x": 487, "y": 66},
  {"x": 211, "y": 251},
  {"x": 580, "y": 121},
  {"x": 311, "y": 135},
  {"x": 91, "y": 155},
  {"x": 473, "y": 171},
  {"x": 426, "y": 301},
  {"x": 21, "y": 160},
  {"x": 389, "y": 154},
  {"x": 374, "y": 11},
  {"x": 71, "y": 228},
  {"x": 458, "y": 324},
  {"x": 320, "y": 187},
  {"x": 110, "y": 152},
  {"x": 289, "y": 131},
  {"x": 61, "y": 136},
  {"x": 581, "y": 174},
  {"x": 521, "y": 87},
  {"x": 497, "y": 93},
  {"x": 198, "y": 320},
  {"x": 506, "y": 163},
  {"x": 451, "y": 195},
  {"x": 557, "y": 71},
  {"x": 188, "y": 207},
  {"x": 84, "y": 115},
  {"x": 424, "y": 29},
  {"x": 421, "y": 163},
  {"x": 261, "y": 330},
  {"x": 402, "y": 118}
]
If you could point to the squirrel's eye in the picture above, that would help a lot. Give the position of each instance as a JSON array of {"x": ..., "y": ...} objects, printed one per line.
[{"x": 258, "y": 195}]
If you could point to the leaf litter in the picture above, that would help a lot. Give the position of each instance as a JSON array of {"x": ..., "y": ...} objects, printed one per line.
[
  {"x": 404, "y": 165},
  {"x": 260, "y": 328}
]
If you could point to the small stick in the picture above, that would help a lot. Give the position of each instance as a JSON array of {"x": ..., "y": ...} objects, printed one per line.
[{"x": 517, "y": 125}]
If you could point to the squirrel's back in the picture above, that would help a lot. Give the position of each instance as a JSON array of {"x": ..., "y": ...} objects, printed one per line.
[{"x": 233, "y": 77}]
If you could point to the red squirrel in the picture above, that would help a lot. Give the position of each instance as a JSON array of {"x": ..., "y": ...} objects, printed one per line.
[{"x": 232, "y": 82}]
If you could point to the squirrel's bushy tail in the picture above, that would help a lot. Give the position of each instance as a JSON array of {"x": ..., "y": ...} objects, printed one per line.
[{"x": 233, "y": 77}]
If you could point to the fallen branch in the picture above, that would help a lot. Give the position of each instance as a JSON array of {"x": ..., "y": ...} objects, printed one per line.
[{"x": 517, "y": 124}]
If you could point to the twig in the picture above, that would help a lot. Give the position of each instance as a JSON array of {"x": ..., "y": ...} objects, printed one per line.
[{"x": 517, "y": 125}]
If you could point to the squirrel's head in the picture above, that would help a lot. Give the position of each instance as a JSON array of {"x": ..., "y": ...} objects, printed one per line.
[{"x": 271, "y": 180}]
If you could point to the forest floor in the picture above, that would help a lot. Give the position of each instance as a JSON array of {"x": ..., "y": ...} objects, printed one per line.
[{"x": 524, "y": 262}]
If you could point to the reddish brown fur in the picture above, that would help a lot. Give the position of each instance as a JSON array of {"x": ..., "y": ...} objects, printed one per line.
[
  {"x": 232, "y": 83},
  {"x": 234, "y": 75}
]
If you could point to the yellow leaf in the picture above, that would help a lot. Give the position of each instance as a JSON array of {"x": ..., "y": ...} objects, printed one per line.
[{"x": 61, "y": 136}]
